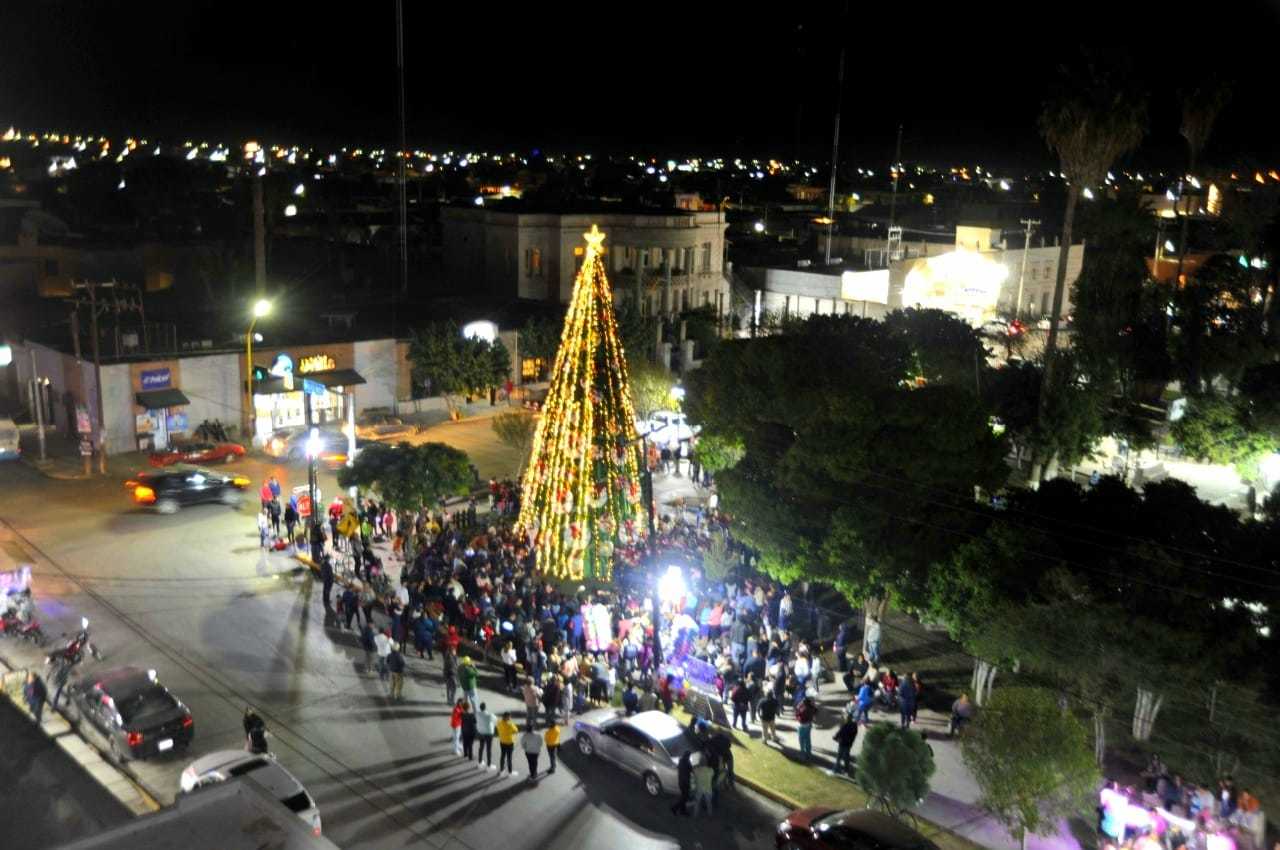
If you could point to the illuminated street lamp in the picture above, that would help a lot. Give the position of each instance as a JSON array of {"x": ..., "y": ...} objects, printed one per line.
[{"x": 261, "y": 308}]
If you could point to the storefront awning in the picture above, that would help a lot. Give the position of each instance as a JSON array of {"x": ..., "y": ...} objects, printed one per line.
[
  {"x": 330, "y": 378},
  {"x": 157, "y": 399}
]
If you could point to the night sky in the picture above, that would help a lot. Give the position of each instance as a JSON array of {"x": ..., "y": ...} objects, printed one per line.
[{"x": 661, "y": 78}]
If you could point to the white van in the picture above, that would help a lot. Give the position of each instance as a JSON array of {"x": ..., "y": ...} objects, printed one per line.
[{"x": 9, "y": 447}]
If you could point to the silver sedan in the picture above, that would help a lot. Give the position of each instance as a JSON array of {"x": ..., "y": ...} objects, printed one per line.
[{"x": 648, "y": 744}]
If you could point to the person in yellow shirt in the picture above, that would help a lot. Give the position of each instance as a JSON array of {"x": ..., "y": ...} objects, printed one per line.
[
  {"x": 552, "y": 739},
  {"x": 506, "y": 742}
]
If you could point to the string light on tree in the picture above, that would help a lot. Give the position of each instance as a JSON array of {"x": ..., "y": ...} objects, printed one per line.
[{"x": 582, "y": 484}]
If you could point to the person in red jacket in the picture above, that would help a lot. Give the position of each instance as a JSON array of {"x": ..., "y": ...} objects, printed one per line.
[
  {"x": 451, "y": 640},
  {"x": 455, "y": 723}
]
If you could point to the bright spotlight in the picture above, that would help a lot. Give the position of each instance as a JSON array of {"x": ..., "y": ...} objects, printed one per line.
[{"x": 671, "y": 586}]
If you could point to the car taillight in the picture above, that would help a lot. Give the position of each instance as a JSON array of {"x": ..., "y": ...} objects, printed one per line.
[
  {"x": 134, "y": 739},
  {"x": 315, "y": 830},
  {"x": 142, "y": 494},
  {"x": 187, "y": 722}
]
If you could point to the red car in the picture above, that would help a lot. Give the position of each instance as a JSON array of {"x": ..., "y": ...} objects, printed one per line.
[
  {"x": 197, "y": 453},
  {"x": 852, "y": 829}
]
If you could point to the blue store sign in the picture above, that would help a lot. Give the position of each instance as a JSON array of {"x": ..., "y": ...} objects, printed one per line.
[{"x": 156, "y": 379}]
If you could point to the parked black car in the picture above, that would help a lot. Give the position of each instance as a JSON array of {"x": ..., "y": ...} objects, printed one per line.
[
  {"x": 168, "y": 489},
  {"x": 137, "y": 715}
]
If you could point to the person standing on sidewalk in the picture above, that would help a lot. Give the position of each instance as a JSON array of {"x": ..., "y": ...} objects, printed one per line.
[
  {"x": 382, "y": 645},
  {"x": 740, "y": 696},
  {"x": 866, "y": 695},
  {"x": 467, "y": 678},
  {"x": 486, "y": 726},
  {"x": 531, "y": 695},
  {"x": 468, "y": 730},
  {"x": 455, "y": 723},
  {"x": 369, "y": 643},
  {"x": 805, "y": 714},
  {"x": 704, "y": 778},
  {"x": 450, "y": 672},
  {"x": 872, "y": 640},
  {"x": 552, "y": 739},
  {"x": 395, "y": 663},
  {"x": 326, "y": 577},
  {"x": 768, "y": 712},
  {"x": 506, "y": 742},
  {"x": 531, "y": 743},
  {"x": 264, "y": 529},
  {"x": 684, "y": 776},
  {"x": 35, "y": 694},
  {"x": 907, "y": 700},
  {"x": 844, "y": 737},
  {"x": 509, "y": 666}
]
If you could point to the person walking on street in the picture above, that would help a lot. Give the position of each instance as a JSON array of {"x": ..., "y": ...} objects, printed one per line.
[
  {"x": 350, "y": 604},
  {"x": 395, "y": 664},
  {"x": 35, "y": 694},
  {"x": 866, "y": 695},
  {"x": 273, "y": 509},
  {"x": 486, "y": 726},
  {"x": 264, "y": 494},
  {"x": 290, "y": 520},
  {"x": 455, "y": 723},
  {"x": 469, "y": 727},
  {"x": 844, "y": 737},
  {"x": 531, "y": 743},
  {"x": 805, "y": 714},
  {"x": 552, "y": 739},
  {"x": 264, "y": 529},
  {"x": 531, "y": 695},
  {"x": 768, "y": 712},
  {"x": 506, "y": 742}
]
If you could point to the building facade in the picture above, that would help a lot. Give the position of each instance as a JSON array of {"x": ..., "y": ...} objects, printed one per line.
[
  {"x": 978, "y": 279},
  {"x": 667, "y": 261}
]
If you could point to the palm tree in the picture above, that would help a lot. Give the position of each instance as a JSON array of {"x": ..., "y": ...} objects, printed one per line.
[{"x": 1096, "y": 117}]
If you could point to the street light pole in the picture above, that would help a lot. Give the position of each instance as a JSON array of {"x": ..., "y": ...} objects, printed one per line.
[
  {"x": 37, "y": 401},
  {"x": 261, "y": 307},
  {"x": 1022, "y": 273}
]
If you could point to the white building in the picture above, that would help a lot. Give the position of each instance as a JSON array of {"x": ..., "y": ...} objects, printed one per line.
[
  {"x": 977, "y": 279},
  {"x": 670, "y": 260}
]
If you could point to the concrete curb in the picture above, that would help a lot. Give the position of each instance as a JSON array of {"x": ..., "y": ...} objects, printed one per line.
[{"x": 57, "y": 727}]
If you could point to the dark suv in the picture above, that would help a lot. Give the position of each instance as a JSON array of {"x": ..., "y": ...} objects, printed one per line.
[{"x": 175, "y": 486}]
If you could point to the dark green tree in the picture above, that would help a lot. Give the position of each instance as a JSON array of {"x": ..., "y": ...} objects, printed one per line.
[
  {"x": 894, "y": 768},
  {"x": 1031, "y": 761},
  {"x": 446, "y": 363},
  {"x": 408, "y": 476}
]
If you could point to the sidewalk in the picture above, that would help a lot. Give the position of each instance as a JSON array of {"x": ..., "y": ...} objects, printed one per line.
[{"x": 16, "y": 657}]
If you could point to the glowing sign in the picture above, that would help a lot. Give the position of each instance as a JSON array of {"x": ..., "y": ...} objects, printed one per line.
[
  {"x": 282, "y": 365},
  {"x": 865, "y": 286},
  {"x": 482, "y": 329},
  {"x": 963, "y": 282},
  {"x": 316, "y": 363}
]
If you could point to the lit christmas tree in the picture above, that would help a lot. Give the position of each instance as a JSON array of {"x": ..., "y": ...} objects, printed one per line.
[{"x": 582, "y": 485}]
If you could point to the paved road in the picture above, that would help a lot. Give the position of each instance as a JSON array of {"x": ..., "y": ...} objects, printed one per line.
[{"x": 226, "y": 625}]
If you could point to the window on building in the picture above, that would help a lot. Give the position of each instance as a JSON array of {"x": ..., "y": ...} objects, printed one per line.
[
  {"x": 51, "y": 267},
  {"x": 1044, "y": 303},
  {"x": 533, "y": 262},
  {"x": 686, "y": 262},
  {"x": 532, "y": 368},
  {"x": 706, "y": 298},
  {"x": 706, "y": 256},
  {"x": 786, "y": 306}
]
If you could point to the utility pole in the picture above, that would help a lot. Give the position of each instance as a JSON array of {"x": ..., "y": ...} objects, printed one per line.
[
  {"x": 895, "y": 169},
  {"x": 404, "y": 155},
  {"x": 1022, "y": 273},
  {"x": 95, "y": 307},
  {"x": 37, "y": 400},
  {"x": 259, "y": 237},
  {"x": 835, "y": 142}
]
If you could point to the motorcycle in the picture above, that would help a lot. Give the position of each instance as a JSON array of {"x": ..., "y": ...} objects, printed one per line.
[
  {"x": 13, "y": 625},
  {"x": 73, "y": 652}
]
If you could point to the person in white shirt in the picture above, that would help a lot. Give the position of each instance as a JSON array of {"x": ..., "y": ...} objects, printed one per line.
[
  {"x": 382, "y": 642},
  {"x": 531, "y": 743},
  {"x": 486, "y": 725},
  {"x": 508, "y": 657}
]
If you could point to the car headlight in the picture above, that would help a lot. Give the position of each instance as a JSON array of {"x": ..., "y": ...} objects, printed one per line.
[{"x": 783, "y": 827}]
